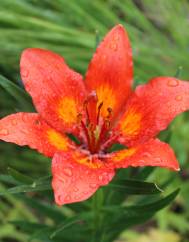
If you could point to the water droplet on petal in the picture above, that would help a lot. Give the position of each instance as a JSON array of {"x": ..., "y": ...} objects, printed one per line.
[
  {"x": 60, "y": 198},
  {"x": 100, "y": 177},
  {"x": 178, "y": 98},
  {"x": 77, "y": 197},
  {"x": 141, "y": 162},
  {"x": 146, "y": 154},
  {"x": 113, "y": 46},
  {"x": 172, "y": 83},
  {"x": 103, "y": 177},
  {"x": 67, "y": 171},
  {"x": 158, "y": 159},
  {"x": 67, "y": 198},
  {"x": 4, "y": 132},
  {"x": 183, "y": 109},
  {"x": 130, "y": 53},
  {"x": 24, "y": 72},
  {"x": 93, "y": 185},
  {"x": 14, "y": 122},
  {"x": 116, "y": 37},
  {"x": 104, "y": 57},
  {"x": 24, "y": 117},
  {"x": 75, "y": 189}
]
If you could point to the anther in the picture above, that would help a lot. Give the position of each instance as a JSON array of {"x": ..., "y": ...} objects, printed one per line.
[
  {"x": 79, "y": 118},
  {"x": 107, "y": 124},
  {"x": 85, "y": 104},
  {"x": 98, "y": 114},
  {"x": 110, "y": 111}
]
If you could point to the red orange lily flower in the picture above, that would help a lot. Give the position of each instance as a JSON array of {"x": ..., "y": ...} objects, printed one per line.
[{"x": 100, "y": 111}]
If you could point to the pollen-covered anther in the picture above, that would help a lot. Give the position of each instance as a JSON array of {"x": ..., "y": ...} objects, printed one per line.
[
  {"x": 107, "y": 124},
  {"x": 98, "y": 114},
  {"x": 79, "y": 118},
  {"x": 110, "y": 113}
]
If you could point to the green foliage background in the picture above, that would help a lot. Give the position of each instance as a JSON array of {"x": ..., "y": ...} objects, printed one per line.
[{"x": 158, "y": 30}]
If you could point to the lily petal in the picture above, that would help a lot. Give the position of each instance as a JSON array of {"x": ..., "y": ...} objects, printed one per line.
[
  {"x": 152, "y": 153},
  {"x": 74, "y": 179},
  {"x": 30, "y": 129},
  {"x": 57, "y": 91},
  {"x": 151, "y": 108},
  {"x": 110, "y": 72}
]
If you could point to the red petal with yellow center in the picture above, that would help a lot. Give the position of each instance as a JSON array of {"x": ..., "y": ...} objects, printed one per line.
[
  {"x": 57, "y": 91},
  {"x": 152, "y": 153},
  {"x": 110, "y": 72},
  {"x": 151, "y": 108},
  {"x": 76, "y": 178},
  {"x": 30, "y": 129}
]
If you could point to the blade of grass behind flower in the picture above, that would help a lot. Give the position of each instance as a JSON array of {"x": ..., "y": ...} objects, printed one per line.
[{"x": 18, "y": 93}]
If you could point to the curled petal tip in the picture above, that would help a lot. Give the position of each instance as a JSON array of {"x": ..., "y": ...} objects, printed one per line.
[{"x": 119, "y": 28}]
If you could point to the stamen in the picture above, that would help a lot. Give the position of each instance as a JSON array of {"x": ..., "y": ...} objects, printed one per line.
[
  {"x": 85, "y": 104},
  {"x": 107, "y": 124},
  {"x": 96, "y": 129},
  {"x": 87, "y": 134},
  {"x": 79, "y": 118},
  {"x": 90, "y": 104},
  {"x": 110, "y": 112},
  {"x": 98, "y": 114}
]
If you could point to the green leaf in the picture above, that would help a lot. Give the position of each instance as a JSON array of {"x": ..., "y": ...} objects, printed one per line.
[
  {"x": 78, "y": 219},
  {"x": 64, "y": 226},
  {"x": 146, "y": 208},
  {"x": 18, "y": 93},
  {"x": 35, "y": 186},
  {"x": 124, "y": 217},
  {"x": 8, "y": 179},
  {"x": 144, "y": 173},
  {"x": 28, "y": 226},
  {"x": 136, "y": 187},
  {"x": 178, "y": 72},
  {"x": 20, "y": 177},
  {"x": 154, "y": 206},
  {"x": 44, "y": 208}
]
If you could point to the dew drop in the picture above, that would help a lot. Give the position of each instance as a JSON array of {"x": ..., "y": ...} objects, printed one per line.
[
  {"x": 14, "y": 122},
  {"x": 67, "y": 171},
  {"x": 77, "y": 197},
  {"x": 172, "y": 83},
  {"x": 130, "y": 54},
  {"x": 24, "y": 73},
  {"x": 4, "y": 132},
  {"x": 146, "y": 154},
  {"x": 67, "y": 198},
  {"x": 24, "y": 117},
  {"x": 158, "y": 159},
  {"x": 183, "y": 109},
  {"x": 178, "y": 98},
  {"x": 116, "y": 37},
  {"x": 141, "y": 162},
  {"x": 93, "y": 185},
  {"x": 100, "y": 177},
  {"x": 104, "y": 57},
  {"x": 103, "y": 177},
  {"x": 113, "y": 46},
  {"x": 60, "y": 198},
  {"x": 75, "y": 189}
]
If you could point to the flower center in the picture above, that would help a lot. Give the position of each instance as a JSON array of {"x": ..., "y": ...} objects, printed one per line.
[{"x": 95, "y": 129}]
